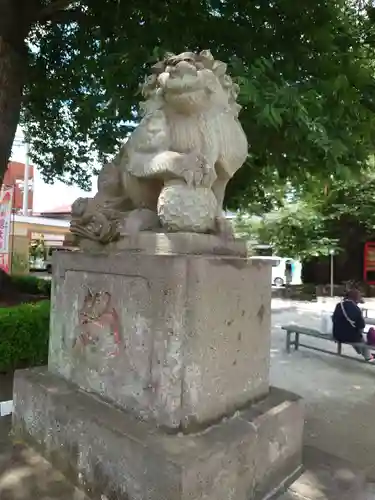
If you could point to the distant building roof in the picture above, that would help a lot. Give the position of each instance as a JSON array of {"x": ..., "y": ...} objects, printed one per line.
[
  {"x": 62, "y": 209},
  {"x": 41, "y": 221},
  {"x": 16, "y": 170}
]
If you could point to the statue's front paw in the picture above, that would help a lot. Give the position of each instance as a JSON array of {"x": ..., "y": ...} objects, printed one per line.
[
  {"x": 209, "y": 176},
  {"x": 197, "y": 172}
]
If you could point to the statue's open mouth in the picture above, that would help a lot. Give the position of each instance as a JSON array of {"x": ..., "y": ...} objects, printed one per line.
[{"x": 180, "y": 84}]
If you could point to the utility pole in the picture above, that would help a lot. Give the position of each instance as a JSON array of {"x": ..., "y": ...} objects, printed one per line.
[
  {"x": 331, "y": 253},
  {"x": 25, "y": 205}
]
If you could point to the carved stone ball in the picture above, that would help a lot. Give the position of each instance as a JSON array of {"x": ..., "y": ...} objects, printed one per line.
[{"x": 185, "y": 208}]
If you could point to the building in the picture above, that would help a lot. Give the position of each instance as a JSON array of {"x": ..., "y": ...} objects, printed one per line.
[
  {"x": 62, "y": 212},
  {"x": 25, "y": 229},
  {"x": 15, "y": 176}
]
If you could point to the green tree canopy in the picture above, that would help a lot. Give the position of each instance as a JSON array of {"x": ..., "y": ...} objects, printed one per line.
[
  {"x": 305, "y": 70},
  {"x": 294, "y": 230},
  {"x": 338, "y": 215}
]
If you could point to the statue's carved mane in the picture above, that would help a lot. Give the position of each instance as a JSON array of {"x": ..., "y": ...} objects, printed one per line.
[
  {"x": 172, "y": 173},
  {"x": 202, "y": 60}
]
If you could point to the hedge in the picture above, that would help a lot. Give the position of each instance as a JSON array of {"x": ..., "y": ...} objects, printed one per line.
[
  {"x": 32, "y": 285},
  {"x": 24, "y": 334}
]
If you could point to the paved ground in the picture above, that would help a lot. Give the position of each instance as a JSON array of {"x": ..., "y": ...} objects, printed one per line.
[
  {"x": 340, "y": 413},
  {"x": 339, "y": 394},
  {"x": 321, "y": 304},
  {"x": 326, "y": 477},
  {"x": 24, "y": 475}
]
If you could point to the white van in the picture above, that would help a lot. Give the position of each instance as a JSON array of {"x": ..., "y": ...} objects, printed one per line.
[{"x": 278, "y": 270}]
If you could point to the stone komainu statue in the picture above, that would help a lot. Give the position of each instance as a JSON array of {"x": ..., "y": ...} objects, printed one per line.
[{"x": 172, "y": 173}]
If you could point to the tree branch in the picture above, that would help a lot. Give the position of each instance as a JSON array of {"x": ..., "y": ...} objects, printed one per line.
[
  {"x": 53, "y": 10},
  {"x": 65, "y": 16}
]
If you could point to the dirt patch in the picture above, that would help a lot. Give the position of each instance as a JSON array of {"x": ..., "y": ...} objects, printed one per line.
[
  {"x": 6, "y": 386},
  {"x": 10, "y": 295},
  {"x": 16, "y": 300}
]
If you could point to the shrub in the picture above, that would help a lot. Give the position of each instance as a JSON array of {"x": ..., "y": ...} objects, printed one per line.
[
  {"x": 24, "y": 334},
  {"x": 32, "y": 285}
]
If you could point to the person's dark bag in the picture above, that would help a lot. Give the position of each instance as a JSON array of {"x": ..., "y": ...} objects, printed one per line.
[{"x": 371, "y": 336}]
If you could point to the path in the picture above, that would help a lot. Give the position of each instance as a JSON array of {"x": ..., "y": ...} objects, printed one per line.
[
  {"x": 322, "y": 304},
  {"x": 339, "y": 394},
  {"x": 24, "y": 475},
  {"x": 340, "y": 415}
]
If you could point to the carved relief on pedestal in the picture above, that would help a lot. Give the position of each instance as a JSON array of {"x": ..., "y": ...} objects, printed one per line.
[{"x": 98, "y": 325}]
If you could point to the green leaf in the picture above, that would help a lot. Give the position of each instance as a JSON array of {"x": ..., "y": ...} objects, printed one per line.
[{"x": 306, "y": 77}]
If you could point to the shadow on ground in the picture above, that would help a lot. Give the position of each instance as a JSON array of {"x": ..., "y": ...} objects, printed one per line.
[
  {"x": 24, "y": 475},
  {"x": 340, "y": 414},
  {"x": 339, "y": 395}
]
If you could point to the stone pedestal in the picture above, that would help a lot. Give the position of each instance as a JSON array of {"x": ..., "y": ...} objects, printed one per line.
[
  {"x": 193, "y": 332},
  {"x": 114, "y": 456},
  {"x": 157, "y": 383}
]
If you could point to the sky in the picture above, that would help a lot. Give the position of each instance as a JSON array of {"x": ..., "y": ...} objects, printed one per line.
[{"x": 48, "y": 196}]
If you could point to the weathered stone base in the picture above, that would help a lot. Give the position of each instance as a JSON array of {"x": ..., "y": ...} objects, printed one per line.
[
  {"x": 111, "y": 455},
  {"x": 163, "y": 337}
]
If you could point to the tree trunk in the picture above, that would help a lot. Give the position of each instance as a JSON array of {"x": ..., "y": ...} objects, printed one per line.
[
  {"x": 16, "y": 19},
  {"x": 12, "y": 70}
]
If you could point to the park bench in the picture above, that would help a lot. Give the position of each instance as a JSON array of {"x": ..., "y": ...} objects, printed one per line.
[{"x": 294, "y": 332}]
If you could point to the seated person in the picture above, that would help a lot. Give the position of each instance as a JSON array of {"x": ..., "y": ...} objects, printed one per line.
[{"x": 348, "y": 323}]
